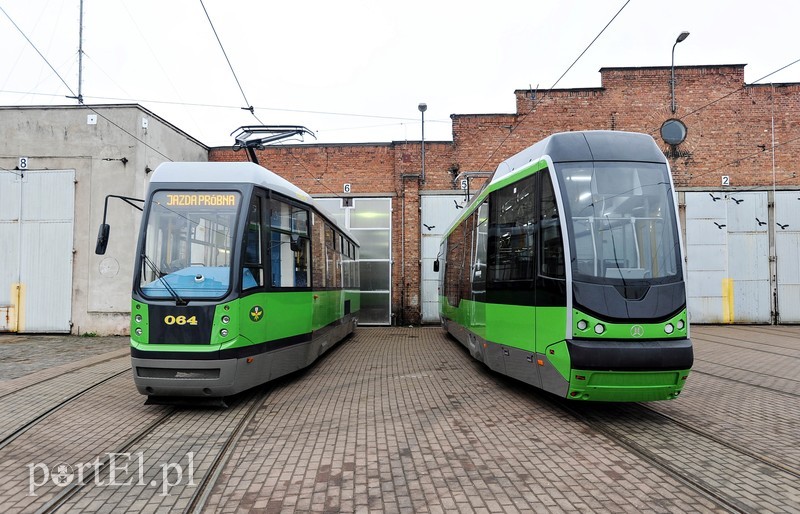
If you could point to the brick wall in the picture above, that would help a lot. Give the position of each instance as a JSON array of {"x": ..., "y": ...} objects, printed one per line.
[{"x": 729, "y": 133}]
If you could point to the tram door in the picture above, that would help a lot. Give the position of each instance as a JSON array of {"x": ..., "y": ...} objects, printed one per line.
[{"x": 36, "y": 223}]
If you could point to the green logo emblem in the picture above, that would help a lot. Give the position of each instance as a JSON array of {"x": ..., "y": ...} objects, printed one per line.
[{"x": 256, "y": 313}]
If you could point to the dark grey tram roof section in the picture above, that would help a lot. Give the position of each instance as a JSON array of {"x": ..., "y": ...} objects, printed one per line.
[{"x": 590, "y": 145}]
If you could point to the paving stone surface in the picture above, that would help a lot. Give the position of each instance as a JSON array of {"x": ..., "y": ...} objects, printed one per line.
[{"x": 403, "y": 420}]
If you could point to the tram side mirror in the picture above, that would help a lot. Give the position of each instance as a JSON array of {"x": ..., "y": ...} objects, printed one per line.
[
  {"x": 436, "y": 266},
  {"x": 294, "y": 243},
  {"x": 102, "y": 239}
]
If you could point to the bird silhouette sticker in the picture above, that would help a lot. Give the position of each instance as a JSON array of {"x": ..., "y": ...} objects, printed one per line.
[
  {"x": 783, "y": 227},
  {"x": 715, "y": 198},
  {"x": 719, "y": 226},
  {"x": 429, "y": 227}
]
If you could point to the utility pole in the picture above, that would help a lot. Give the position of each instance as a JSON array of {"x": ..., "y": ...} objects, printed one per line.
[{"x": 79, "y": 98}]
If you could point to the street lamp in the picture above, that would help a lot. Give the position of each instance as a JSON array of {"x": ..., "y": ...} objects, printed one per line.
[
  {"x": 683, "y": 35},
  {"x": 422, "y": 108}
]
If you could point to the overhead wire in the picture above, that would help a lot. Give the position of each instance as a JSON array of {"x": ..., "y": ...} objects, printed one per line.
[
  {"x": 538, "y": 100},
  {"x": 740, "y": 88},
  {"x": 712, "y": 102},
  {"x": 38, "y": 52},
  {"x": 742, "y": 159},
  {"x": 75, "y": 96},
  {"x": 247, "y": 102}
]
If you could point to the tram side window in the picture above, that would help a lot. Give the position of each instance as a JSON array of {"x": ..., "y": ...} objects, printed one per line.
[
  {"x": 330, "y": 256},
  {"x": 552, "y": 262},
  {"x": 457, "y": 252},
  {"x": 289, "y": 246},
  {"x": 512, "y": 232},
  {"x": 253, "y": 267},
  {"x": 318, "y": 250},
  {"x": 479, "y": 269}
]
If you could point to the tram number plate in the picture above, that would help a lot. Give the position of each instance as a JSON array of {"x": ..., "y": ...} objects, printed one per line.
[{"x": 180, "y": 320}]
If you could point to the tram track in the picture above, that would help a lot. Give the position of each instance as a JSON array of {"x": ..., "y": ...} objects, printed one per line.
[
  {"x": 71, "y": 370},
  {"x": 708, "y": 464},
  {"x": 27, "y": 425},
  {"x": 792, "y": 470},
  {"x": 206, "y": 485},
  {"x": 69, "y": 492},
  {"x": 159, "y": 442},
  {"x": 744, "y": 382}
]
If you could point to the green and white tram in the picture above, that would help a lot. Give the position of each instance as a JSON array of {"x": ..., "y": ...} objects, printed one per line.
[
  {"x": 566, "y": 270},
  {"x": 239, "y": 279}
]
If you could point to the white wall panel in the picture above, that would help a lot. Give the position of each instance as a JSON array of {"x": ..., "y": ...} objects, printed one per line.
[
  {"x": 787, "y": 250},
  {"x": 438, "y": 212}
]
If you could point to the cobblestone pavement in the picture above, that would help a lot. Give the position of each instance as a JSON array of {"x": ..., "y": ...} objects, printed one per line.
[
  {"x": 23, "y": 354},
  {"x": 403, "y": 420}
]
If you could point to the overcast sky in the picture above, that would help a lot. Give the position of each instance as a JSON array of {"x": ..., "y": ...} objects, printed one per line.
[{"x": 355, "y": 71}]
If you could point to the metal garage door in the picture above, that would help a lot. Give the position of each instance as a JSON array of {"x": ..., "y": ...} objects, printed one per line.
[
  {"x": 787, "y": 250},
  {"x": 727, "y": 246},
  {"x": 438, "y": 212},
  {"x": 36, "y": 221}
]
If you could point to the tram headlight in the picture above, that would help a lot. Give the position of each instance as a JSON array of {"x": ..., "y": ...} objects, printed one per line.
[
  {"x": 668, "y": 328},
  {"x": 599, "y": 328},
  {"x": 226, "y": 319},
  {"x": 138, "y": 318},
  {"x": 583, "y": 324},
  {"x": 138, "y": 331},
  {"x": 224, "y": 332},
  {"x": 681, "y": 324}
]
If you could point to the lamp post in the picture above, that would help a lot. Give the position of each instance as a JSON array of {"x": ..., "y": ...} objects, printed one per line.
[
  {"x": 683, "y": 35},
  {"x": 422, "y": 108}
]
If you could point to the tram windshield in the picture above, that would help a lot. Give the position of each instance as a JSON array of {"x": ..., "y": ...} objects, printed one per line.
[
  {"x": 188, "y": 244},
  {"x": 622, "y": 221}
]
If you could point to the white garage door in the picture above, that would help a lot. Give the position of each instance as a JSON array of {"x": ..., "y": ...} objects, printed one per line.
[
  {"x": 36, "y": 221},
  {"x": 727, "y": 246}
]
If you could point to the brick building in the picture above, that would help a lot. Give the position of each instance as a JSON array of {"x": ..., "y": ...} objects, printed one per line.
[{"x": 735, "y": 172}]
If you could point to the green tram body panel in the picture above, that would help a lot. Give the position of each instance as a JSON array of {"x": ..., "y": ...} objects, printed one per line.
[
  {"x": 253, "y": 319},
  {"x": 539, "y": 333},
  {"x": 611, "y": 324}
]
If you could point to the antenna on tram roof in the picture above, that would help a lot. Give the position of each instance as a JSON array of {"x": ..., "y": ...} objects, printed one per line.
[{"x": 251, "y": 138}]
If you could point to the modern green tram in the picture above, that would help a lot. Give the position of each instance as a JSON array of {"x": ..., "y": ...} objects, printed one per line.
[
  {"x": 239, "y": 279},
  {"x": 566, "y": 270}
]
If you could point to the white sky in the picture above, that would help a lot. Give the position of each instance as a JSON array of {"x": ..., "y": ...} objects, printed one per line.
[{"x": 354, "y": 71}]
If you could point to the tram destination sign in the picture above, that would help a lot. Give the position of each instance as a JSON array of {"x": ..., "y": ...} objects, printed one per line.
[{"x": 201, "y": 199}]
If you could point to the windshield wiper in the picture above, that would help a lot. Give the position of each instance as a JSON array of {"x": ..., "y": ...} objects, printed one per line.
[{"x": 160, "y": 275}]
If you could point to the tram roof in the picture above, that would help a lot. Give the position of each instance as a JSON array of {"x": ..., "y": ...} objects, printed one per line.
[
  {"x": 237, "y": 173},
  {"x": 589, "y": 145},
  {"x": 227, "y": 172}
]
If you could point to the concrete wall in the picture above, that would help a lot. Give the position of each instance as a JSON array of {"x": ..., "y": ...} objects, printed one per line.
[{"x": 112, "y": 156}]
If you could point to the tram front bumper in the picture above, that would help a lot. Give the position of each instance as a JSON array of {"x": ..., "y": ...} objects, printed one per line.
[
  {"x": 628, "y": 370},
  {"x": 164, "y": 377}
]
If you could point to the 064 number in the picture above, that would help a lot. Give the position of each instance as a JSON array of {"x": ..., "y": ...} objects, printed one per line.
[{"x": 180, "y": 320}]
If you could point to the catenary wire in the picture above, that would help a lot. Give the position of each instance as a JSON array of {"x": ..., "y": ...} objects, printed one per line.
[
  {"x": 539, "y": 100},
  {"x": 249, "y": 107},
  {"x": 40, "y": 53}
]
